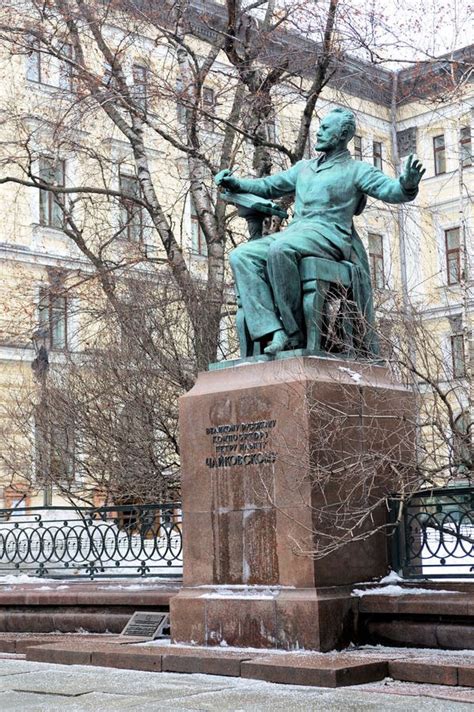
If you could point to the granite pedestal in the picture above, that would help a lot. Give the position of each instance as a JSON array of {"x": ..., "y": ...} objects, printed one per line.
[{"x": 284, "y": 461}]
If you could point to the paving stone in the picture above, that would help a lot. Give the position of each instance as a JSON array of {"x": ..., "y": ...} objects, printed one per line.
[
  {"x": 95, "y": 702},
  {"x": 59, "y": 654},
  {"x": 420, "y": 670},
  {"x": 48, "y": 681},
  {"x": 466, "y": 675},
  {"x": 77, "y": 651},
  {"x": 138, "y": 691},
  {"x": 423, "y": 690},
  {"x": 296, "y": 699},
  {"x": 210, "y": 662},
  {"x": 14, "y": 667},
  {"x": 129, "y": 658},
  {"x": 317, "y": 670},
  {"x": 456, "y": 637},
  {"x": 404, "y": 633}
]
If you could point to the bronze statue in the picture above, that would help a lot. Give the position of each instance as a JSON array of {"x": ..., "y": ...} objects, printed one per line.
[{"x": 329, "y": 191}]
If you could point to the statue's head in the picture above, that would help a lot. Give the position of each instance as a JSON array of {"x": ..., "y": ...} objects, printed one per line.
[{"x": 335, "y": 130}]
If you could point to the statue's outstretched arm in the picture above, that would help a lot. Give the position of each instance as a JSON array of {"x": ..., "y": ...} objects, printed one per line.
[
  {"x": 274, "y": 186},
  {"x": 375, "y": 183}
]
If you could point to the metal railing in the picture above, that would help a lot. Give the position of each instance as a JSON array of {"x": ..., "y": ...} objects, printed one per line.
[
  {"x": 106, "y": 542},
  {"x": 436, "y": 536}
]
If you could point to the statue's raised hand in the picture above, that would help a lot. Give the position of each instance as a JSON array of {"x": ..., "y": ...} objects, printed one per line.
[
  {"x": 412, "y": 174},
  {"x": 224, "y": 179}
]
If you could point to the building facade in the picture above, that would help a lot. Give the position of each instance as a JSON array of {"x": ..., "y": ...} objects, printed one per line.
[{"x": 55, "y": 133}]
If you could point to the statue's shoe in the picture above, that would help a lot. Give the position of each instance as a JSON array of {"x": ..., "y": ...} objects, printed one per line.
[{"x": 279, "y": 342}]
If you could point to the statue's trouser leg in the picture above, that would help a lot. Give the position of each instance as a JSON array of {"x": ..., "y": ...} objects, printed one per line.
[
  {"x": 248, "y": 262},
  {"x": 284, "y": 254}
]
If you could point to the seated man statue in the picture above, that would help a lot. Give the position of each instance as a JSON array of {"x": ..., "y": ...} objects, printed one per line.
[{"x": 329, "y": 191}]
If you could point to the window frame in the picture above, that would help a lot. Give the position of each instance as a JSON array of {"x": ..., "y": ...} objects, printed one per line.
[
  {"x": 449, "y": 251},
  {"x": 140, "y": 85},
  {"x": 377, "y": 262},
  {"x": 47, "y": 305},
  {"x": 47, "y": 199},
  {"x": 465, "y": 140},
  {"x": 458, "y": 339},
  {"x": 50, "y": 453},
  {"x": 50, "y": 70},
  {"x": 132, "y": 210},
  {"x": 209, "y": 107},
  {"x": 197, "y": 235},
  {"x": 34, "y": 52},
  {"x": 357, "y": 147},
  {"x": 439, "y": 154},
  {"x": 66, "y": 75},
  {"x": 377, "y": 152}
]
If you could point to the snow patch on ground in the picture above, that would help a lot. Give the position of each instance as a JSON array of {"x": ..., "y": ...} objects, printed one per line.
[
  {"x": 392, "y": 577},
  {"x": 255, "y": 593},
  {"x": 394, "y": 590},
  {"x": 25, "y": 578}
]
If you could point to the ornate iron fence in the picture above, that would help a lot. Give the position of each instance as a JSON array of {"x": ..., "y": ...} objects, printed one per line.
[
  {"x": 436, "y": 536},
  {"x": 106, "y": 542}
]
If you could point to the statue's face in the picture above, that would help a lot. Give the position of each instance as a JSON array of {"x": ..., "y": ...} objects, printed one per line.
[{"x": 330, "y": 133}]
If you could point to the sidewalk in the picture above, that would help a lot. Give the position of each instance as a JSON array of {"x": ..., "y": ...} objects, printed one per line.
[{"x": 43, "y": 687}]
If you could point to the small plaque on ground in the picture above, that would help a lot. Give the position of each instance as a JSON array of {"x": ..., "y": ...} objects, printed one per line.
[{"x": 148, "y": 625}]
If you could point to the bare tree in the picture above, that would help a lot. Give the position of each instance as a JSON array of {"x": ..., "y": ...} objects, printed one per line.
[{"x": 131, "y": 108}]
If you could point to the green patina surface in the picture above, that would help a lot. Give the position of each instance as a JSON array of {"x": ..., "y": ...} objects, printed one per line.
[{"x": 329, "y": 191}]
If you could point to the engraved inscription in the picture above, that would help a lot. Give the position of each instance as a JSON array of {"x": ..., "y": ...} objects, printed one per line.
[{"x": 235, "y": 444}]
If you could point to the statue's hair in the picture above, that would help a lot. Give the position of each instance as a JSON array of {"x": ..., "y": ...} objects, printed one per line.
[{"x": 348, "y": 120}]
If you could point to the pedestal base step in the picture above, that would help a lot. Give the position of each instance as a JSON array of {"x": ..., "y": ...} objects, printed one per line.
[{"x": 353, "y": 667}]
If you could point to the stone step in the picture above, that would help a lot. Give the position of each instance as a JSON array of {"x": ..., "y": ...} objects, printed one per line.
[
  {"x": 95, "y": 607},
  {"x": 296, "y": 668},
  {"x": 69, "y": 620},
  {"x": 450, "y": 604},
  {"x": 85, "y": 593},
  {"x": 316, "y": 669},
  {"x": 419, "y": 634},
  {"x": 435, "y": 671},
  {"x": 304, "y": 668},
  {"x": 320, "y": 671},
  {"x": 436, "y": 619}
]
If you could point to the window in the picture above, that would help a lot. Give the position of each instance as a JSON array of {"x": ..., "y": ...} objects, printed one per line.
[
  {"x": 377, "y": 151},
  {"x": 208, "y": 107},
  {"x": 53, "y": 172},
  {"x": 466, "y": 147},
  {"x": 462, "y": 441},
  {"x": 131, "y": 215},
  {"x": 458, "y": 355},
  {"x": 376, "y": 260},
  {"x": 453, "y": 255},
  {"x": 198, "y": 239},
  {"x": 49, "y": 69},
  {"x": 271, "y": 129},
  {"x": 33, "y": 67},
  {"x": 55, "y": 450},
  {"x": 65, "y": 68},
  {"x": 52, "y": 318},
  {"x": 181, "y": 102},
  {"x": 62, "y": 452},
  {"x": 357, "y": 148},
  {"x": 140, "y": 85},
  {"x": 439, "y": 150}
]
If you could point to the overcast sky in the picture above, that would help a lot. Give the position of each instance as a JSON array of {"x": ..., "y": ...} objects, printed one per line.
[{"x": 408, "y": 29}]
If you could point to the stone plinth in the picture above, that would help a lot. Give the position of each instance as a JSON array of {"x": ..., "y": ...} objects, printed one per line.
[{"x": 280, "y": 460}]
